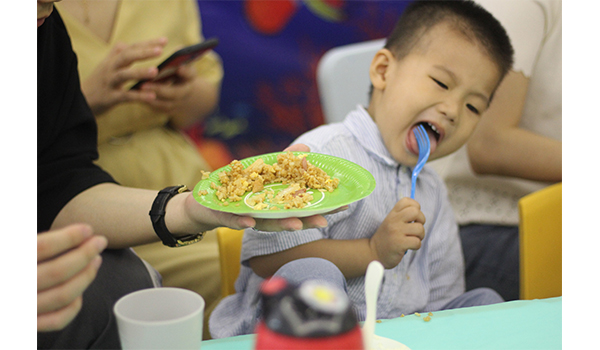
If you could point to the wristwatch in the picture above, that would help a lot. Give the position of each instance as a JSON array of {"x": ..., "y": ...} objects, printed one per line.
[{"x": 157, "y": 215}]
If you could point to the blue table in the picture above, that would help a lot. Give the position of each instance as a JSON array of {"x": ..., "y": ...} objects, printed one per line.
[{"x": 522, "y": 324}]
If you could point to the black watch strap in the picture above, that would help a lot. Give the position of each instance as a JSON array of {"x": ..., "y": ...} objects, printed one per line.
[{"x": 157, "y": 215}]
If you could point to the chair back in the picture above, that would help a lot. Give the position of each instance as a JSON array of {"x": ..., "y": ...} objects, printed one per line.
[
  {"x": 230, "y": 250},
  {"x": 343, "y": 78},
  {"x": 540, "y": 243}
]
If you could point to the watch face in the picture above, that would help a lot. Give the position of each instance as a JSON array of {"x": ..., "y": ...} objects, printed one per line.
[
  {"x": 189, "y": 239},
  {"x": 182, "y": 189}
]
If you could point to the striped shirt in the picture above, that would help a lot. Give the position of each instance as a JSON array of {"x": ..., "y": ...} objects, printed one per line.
[{"x": 425, "y": 280}]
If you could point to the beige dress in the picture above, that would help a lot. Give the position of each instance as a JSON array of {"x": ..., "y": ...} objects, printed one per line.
[{"x": 134, "y": 142}]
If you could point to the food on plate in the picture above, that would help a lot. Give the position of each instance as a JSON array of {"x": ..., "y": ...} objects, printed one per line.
[{"x": 295, "y": 171}]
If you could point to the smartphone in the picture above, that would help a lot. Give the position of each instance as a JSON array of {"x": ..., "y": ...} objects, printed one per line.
[{"x": 184, "y": 56}]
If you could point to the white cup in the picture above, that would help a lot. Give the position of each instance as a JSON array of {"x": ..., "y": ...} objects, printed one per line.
[{"x": 160, "y": 318}]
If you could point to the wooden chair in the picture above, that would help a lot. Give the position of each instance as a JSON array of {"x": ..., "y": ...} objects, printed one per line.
[
  {"x": 540, "y": 243},
  {"x": 230, "y": 249}
]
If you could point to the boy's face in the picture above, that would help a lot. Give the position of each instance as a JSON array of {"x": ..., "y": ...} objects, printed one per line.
[{"x": 445, "y": 83}]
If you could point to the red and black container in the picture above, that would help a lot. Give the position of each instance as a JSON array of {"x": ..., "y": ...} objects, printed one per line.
[{"x": 313, "y": 315}]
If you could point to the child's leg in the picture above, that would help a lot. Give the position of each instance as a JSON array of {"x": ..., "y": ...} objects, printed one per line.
[
  {"x": 475, "y": 297},
  {"x": 301, "y": 270}
]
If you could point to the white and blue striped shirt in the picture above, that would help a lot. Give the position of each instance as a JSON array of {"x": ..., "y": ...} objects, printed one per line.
[{"x": 425, "y": 280}]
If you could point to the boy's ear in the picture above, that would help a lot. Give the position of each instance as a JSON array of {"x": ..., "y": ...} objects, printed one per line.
[{"x": 379, "y": 67}]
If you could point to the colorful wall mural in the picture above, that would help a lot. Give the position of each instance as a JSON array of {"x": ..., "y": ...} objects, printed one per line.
[{"x": 270, "y": 51}]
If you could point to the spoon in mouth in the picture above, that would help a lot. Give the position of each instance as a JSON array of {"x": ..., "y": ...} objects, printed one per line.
[{"x": 424, "y": 149}]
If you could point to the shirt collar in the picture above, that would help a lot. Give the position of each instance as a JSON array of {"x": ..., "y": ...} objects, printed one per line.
[{"x": 364, "y": 129}]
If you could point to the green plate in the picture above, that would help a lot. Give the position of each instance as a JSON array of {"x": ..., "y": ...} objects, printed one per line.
[{"x": 355, "y": 183}]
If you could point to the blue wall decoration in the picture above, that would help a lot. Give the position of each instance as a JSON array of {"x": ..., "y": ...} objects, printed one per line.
[{"x": 270, "y": 51}]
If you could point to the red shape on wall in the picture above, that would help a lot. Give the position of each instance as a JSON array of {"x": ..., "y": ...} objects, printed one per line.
[{"x": 269, "y": 17}]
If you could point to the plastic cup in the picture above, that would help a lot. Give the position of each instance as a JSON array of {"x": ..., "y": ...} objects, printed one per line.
[{"x": 160, "y": 318}]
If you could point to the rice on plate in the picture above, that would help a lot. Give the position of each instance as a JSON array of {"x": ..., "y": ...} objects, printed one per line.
[{"x": 295, "y": 171}]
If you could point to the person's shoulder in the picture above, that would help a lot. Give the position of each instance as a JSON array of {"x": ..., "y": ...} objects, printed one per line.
[
  {"x": 55, "y": 22},
  {"x": 53, "y": 37}
]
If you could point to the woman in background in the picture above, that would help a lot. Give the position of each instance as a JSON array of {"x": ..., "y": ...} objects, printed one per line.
[{"x": 141, "y": 139}]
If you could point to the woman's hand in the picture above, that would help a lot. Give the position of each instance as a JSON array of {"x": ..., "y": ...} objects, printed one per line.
[
  {"x": 207, "y": 219},
  {"x": 176, "y": 96},
  {"x": 186, "y": 98},
  {"x": 104, "y": 88},
  {"x": 68, "y": 260},
  {"x": 401, "y": 230}
]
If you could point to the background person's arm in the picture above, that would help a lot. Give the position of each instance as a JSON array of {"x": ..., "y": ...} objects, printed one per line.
[{"x": 500, "y": 146}]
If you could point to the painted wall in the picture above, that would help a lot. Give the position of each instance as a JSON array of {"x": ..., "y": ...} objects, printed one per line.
[{"x": 270, "y": 51}]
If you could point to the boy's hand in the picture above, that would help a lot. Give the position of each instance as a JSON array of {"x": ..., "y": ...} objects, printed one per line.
[{"x": 401, "y": 230}]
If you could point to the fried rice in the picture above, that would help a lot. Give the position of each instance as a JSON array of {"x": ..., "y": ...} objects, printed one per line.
[{"x": 295, "y": 171}]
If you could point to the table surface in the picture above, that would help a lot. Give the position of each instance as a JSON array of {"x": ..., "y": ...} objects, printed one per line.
[{"x": 521, "y": 324}]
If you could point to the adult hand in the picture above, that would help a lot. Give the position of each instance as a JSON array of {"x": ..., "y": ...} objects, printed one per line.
[
  {"x": 173, "y": 94},
  {"x": 207, "y": 219},
  {"x": 186, "y": 98},
  {"x": 104, "y": 88},
  {"x": 68, "y": 260},
  {"x": 299, "y": 147},
  {"x": 402, "y": 229}
]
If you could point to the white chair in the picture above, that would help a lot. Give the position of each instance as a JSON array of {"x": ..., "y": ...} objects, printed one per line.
[{"x": 343, "y": 78}]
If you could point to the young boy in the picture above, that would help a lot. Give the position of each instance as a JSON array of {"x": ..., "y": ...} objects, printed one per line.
[{"x": 439, "y": 68}]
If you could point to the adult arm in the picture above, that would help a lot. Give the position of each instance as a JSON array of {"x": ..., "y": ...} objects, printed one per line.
[
  {"x": 500, "y": 146},
  {"x": 121, "y": 214}
]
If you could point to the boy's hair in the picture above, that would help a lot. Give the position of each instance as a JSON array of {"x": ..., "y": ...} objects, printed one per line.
[{"x": 470, "y": 19}]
